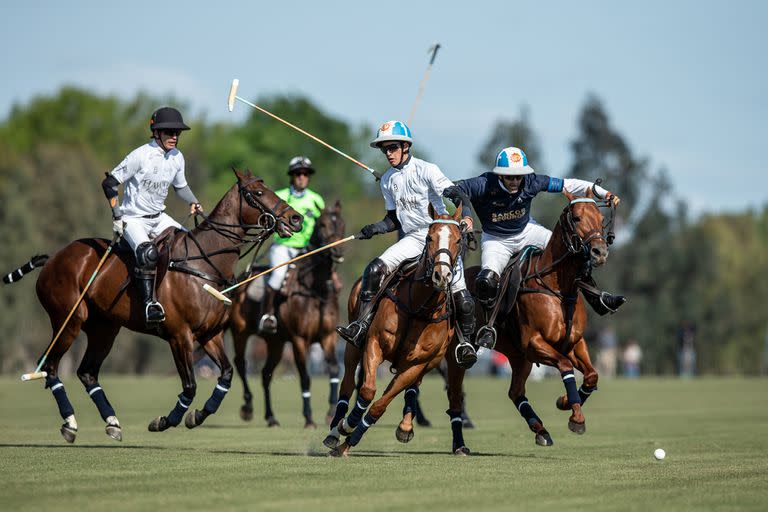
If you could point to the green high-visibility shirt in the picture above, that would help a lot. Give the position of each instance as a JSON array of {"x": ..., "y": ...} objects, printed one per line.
[{"x": 308, "y": 204}]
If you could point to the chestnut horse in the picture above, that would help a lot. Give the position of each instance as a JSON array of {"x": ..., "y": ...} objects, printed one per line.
[
  {"x": 412, "y": 329},
  {"x": 248, "y": 213},
  {"x": 547, "y": 321},
  {"x": 308, "y": 313}
]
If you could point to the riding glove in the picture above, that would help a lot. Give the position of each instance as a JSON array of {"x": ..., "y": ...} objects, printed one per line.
[{"x": 117, "y": 226}]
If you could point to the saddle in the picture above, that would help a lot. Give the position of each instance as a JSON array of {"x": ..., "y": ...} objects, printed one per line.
[
  {"x": 509, "y": 283},
  {"x": 164, "y": 242}
]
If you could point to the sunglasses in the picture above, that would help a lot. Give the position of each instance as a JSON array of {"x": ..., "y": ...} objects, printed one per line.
[
  {"x": 513, "y": 177},
  {"x": 300, "y": 173},
  {"x": 171, "y": 133},
  {"x": 390, "y": 148}
]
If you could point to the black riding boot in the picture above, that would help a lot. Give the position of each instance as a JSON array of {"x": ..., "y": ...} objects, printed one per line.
[
  {"x": 602, "y": 302},
  {"x": 487, "y": 284},
  {"x": 153, "y": 310},
  {"x": 355, "y": 332},
  {"x": 268, "y": 322},
  {"x": 466, "y": 356}
]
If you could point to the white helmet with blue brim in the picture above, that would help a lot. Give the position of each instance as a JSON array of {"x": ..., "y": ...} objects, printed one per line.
[
  {"x": 512, "y": 162},
  {"x": 392, "y": 131}
]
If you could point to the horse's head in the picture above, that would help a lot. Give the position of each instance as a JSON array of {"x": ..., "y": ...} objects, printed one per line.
[
  {"x": 443, "y": 247},
  {"x": 260, "y": 207},
  {"x": 329, "y": 228},
  {"x": 583, "y": 228}
]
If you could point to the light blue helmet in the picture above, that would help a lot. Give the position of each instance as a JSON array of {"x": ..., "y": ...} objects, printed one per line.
[
  {"x": 512, "y": 162},
  {"x": 392, "y": 131}
]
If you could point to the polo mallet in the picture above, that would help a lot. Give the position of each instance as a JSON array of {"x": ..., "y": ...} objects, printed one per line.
[
  {"x": 433, "y": 50},
  {"x": 227, "y": 301},
  {"x": 231, "y": 106},
  {"x": 37, "y": 374}
]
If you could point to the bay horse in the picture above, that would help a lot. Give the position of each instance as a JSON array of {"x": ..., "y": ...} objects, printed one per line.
[
  {"x": 247, "y": 214},
  {"x": 547, "y": 320},
  {"x": 307, "y": 313},
  {"x": 412, "y": 329}
]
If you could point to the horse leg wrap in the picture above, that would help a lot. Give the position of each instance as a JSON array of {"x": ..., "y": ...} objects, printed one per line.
[
  {"x": 357, "y": 413},
  {"x": 361, "y": 429},
  {"x": 410, "y": 400},
  {"x": 306, "y": 401},
  {"x": 342, "y": 406},
  {"x": 175, "y": 416},
  {"x": 569, "y": 380},
  {"x": 584, "y": 392},
  {"x": 60, "y": 395},
  {"x": 333, "y": 396},
  {"x": 526, "y": 411},
  {"x": 219, "y": 392},
  {"x": 456, "y": 428},
  {"x": 100, "y": 399}
]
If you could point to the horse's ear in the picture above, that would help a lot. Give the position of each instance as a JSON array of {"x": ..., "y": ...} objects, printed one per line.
[
  {"x": 568, "y": 195},
  {"x": 459, "y": 209},
  {"x": 432, "y": 212},
  {"x": 337, "y": 206},
  {"x": 590, "y": 193},
  {"x": 238, "y": 174},
  {"x": 248, "y": 173}
]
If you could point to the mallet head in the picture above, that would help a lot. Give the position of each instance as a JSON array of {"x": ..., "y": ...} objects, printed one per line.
[
  {"x": 232, "y": 94},
  {"x": 216, "y": 293},
  {"x": 34, "y": 376}
]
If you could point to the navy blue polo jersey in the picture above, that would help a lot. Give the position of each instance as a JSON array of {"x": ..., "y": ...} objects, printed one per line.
[{"x": 501, "y": 213}]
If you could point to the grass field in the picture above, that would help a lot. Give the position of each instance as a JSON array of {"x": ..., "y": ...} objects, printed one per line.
[{"x": 715, "y": 432}]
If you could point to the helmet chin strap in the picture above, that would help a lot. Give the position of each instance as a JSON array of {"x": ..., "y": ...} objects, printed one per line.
[
  {"x": 404, "y": 155},
  {"x": 159, "y": 139}
]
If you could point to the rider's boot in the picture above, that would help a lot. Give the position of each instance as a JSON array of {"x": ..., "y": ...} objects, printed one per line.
[
  {"x": 355, "y": 332},
  {"x": 466, "y": 355},
  {"x": 602, "y": 302},
  {"x": 487, "y": 284},
  {"x": 268, "y": 321},
  {"x": 145, "y": 273}
]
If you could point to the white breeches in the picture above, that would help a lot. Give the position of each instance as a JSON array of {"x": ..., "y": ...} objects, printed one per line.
[
  {"x": 279, "y": 253},
  {"x": 497, "y": 251},
  {"x": 139, "y": 230}
]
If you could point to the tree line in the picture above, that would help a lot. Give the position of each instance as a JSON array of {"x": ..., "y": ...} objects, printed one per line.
[{"x": 706, "y": 271}]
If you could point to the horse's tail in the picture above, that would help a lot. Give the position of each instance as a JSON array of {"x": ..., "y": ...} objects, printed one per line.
[{"x": 36, "y": 261}]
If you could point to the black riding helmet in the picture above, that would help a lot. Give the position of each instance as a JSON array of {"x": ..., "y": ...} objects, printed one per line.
[
  {"x": 167, "y": 118},
  {"x": 300, "y": 162}
]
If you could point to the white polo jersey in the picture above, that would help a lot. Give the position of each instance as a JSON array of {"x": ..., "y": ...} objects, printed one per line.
[
  {"x": 147, "y": 172},
  {"x": 409, "y": 191}
]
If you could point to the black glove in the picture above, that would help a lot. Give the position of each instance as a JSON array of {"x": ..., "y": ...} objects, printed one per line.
[{"x": 368, "y": 232}]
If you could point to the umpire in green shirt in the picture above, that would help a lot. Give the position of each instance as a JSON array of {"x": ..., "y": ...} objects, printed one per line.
[{"x": 306, "y": 202}]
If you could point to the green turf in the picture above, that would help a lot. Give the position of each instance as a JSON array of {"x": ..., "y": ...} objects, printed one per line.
[{"x": 715, "y": 432}]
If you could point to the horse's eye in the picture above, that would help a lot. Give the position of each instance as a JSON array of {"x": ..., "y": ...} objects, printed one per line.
[
  {"x": 259, "y": 192},
  {"x": 576, "y": 219}
]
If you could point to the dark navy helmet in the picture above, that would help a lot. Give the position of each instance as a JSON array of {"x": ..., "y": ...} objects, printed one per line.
[{"x": 167, "y": 118}]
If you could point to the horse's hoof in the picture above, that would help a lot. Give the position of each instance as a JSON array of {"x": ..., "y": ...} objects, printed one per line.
[
  {"x": 562, "y": 404},
  {"x": 544, "y": 439},
  {"x": 115, "y": 432},
  {"x": 423, "y": 422},
  {"x": 194, "y": 419},
  {"x": 467, "y": 423},
  {"x": 309, "y": 424},
  {"x": 404, "y": 436},
  {"x": 158, "y": 424},
  {"x": 272, "y": 422},
  {"x": 462, "y": 451},
  {"x": 576, "y": 427},
  {"x": 331, "y": 441},
  {"x": 246, "y": 413},
  {"x": 341, "y": 450},
  {"x": 68, "y": 433}
]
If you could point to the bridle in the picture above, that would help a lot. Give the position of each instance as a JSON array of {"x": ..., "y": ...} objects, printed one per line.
[{"x": 431, "y": 262}]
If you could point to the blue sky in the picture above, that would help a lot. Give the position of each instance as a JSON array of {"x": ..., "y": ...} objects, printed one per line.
[{"x": 685, "y": 82}]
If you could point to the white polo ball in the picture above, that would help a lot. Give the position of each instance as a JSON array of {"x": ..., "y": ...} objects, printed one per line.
[{"x": 659, "y": 453}]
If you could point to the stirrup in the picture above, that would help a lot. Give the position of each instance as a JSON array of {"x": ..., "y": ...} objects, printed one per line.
[
  {"x": 154, "y": 313},
  {"x": 353, "y": 333},
  {"x": 468, "y": 358},
  {"x": 481, "y": 337},
  {"x": 268, "y": 324}
]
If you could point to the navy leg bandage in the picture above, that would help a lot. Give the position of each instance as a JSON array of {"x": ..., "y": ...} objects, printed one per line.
[
  {"x": 342, "y": 406},
  {"x": 306, "y": 399},
  {"x": 361, "y": 429},
  {"x": 175, "y": 416},
  {"x": 357, "y": 413},
  {"x": 456, "y": 428},
  {"x": 410, "y": 400},
  {"x": 569, "y": 380},
  {"x": 100, "y": 399},
  {"x": 333, "y": 396},
  {"x": 526, "y": 411},
  {"x": 57, "y": 388},
  {"x": 219, "y": 392},
  {"x": 585, "y": 391}
]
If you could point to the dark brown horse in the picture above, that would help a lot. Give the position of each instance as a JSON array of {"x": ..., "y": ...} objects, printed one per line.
[
  {"x": 546, "y": 324},
  {"x": 248, "y": 213},
  {"x": 412, "y": 329},
  {"x": 307, "y": 313}
]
